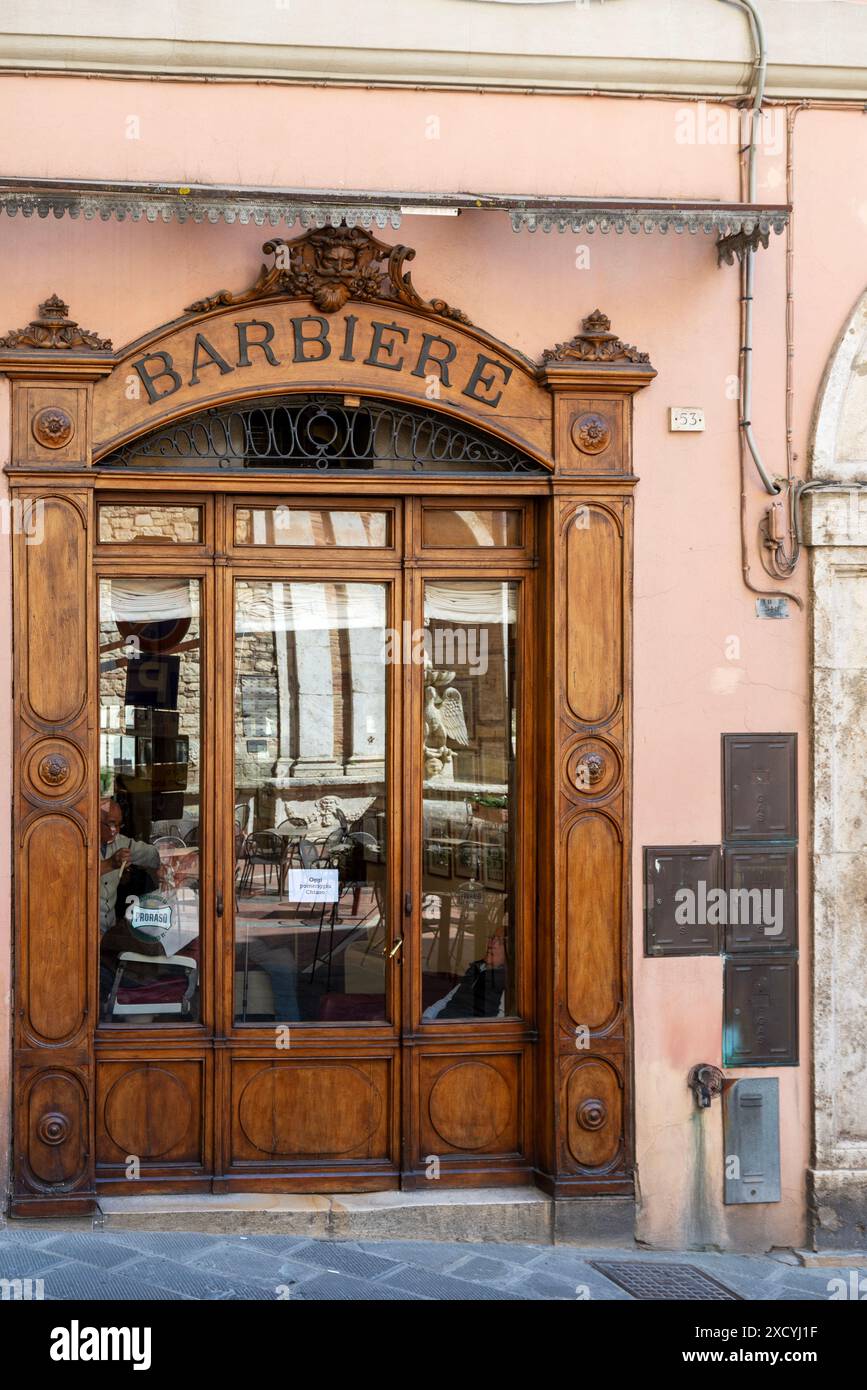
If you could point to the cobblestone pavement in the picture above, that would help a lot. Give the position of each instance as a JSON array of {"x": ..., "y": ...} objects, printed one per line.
[{"x": 85, "y": 1264}]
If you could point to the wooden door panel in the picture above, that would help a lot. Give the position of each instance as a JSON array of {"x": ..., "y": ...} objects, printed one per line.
[
  {"x": 53, "y": 1118},
  {"x": 592, "y": 1101},
  {"x": 593, "y": 861},
  {"x": 54, "y": 800},
  {"x": 54, "y": 974},
  {"x": 594, "y": 602},
  {"x": 311, "y": 1108},
  {"x": 470, "y": 1104},
  {"x": 469, "y": 1113},
  {"x": 585, "y": 894},
  {"x": 55, "y": 576},
  {"x": 153, "y": 1111}
]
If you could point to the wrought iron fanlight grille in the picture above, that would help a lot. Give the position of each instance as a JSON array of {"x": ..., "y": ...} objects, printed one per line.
[{"x": 322, "y": 432}]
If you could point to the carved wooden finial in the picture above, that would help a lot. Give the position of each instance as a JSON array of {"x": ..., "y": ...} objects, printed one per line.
[
  {"x": 54, "y": 329},
  {"x": 596, "y": 343},
  {"x": 330, "y": 266}
]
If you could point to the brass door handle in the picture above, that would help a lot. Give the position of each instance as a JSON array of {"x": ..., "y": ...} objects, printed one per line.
[{"x": 396, "y": 947}]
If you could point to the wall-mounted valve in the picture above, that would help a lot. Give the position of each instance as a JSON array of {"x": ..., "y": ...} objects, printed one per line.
[{"x": 705, "y": 1082}]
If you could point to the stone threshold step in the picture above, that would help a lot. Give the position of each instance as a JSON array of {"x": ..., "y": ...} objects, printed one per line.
[
  {"x": 513, "y": 1215},
  {"x": 832, "y": 1259}
]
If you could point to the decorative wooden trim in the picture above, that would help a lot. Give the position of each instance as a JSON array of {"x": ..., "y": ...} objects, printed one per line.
[
  {"x": 585, "y": 1140},
  {"x": 54, "y": 329},
  {"x": 54, "y": 812},
  {"x": 596, "y": 343},
  {"x": 596, "y": 360},
  {"x": 331, "y": 266},
  {"x": 404, "y": 354}
]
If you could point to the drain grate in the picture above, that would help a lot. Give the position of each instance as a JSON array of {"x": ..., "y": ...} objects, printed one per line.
[{"x": 664, "y": 1281}]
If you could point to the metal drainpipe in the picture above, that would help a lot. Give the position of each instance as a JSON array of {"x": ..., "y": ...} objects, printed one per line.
[
  {"x": 747, "y": 287},
  {"x": 749, "y": 270}
]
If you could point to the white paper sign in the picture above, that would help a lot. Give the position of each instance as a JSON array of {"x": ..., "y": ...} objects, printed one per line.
[{"x": 313, "y": 885}]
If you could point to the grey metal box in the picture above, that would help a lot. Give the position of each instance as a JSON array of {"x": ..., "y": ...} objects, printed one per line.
[{"x": 751, "y": 1130}]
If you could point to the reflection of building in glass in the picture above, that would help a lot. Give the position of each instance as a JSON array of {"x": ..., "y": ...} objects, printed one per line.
[{"x": 310, "y": 685}]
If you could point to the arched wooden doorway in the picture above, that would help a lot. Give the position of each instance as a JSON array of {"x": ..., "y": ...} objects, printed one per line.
[{"x": 394, "y": 901}]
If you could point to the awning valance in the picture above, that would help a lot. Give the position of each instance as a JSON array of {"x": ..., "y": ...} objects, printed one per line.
[{"x": 155, "y": 202}]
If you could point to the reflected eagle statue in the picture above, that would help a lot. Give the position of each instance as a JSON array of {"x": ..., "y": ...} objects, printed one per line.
[{"x": 444, "y": 724}]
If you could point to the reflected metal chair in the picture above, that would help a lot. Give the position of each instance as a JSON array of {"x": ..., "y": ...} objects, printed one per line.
[
  {"x": 338, "y": 852},
  {"x": 292, "y": 835},
  {"x": 172, "y": 995},
  {"x": 262, "y": 849}
]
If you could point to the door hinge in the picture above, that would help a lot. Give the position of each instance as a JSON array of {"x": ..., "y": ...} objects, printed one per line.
[
  {"x": 219, "y": 903},
  {"x": 407, "y": 905}
]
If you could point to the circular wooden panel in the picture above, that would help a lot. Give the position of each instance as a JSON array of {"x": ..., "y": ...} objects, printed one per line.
[
  {"x": 470, "y": 1105},
  {"x": 147, "y": 1112},
  {"x": 54, "y": 768},
  {"x": 53, "y": 427},
  {"x": 315, "y": 1109}
]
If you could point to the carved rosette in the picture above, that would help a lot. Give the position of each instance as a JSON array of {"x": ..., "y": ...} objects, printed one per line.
[
  {"x": 590, "y": 769},
  {"x": 593, "y": 768},
  {"x": 53, "y": 769},
  {"x": 591, "y": 433},
  {"x": 591, "y": 1114},
  {"x": 331, "y": 266},
  {"x": 596, "y": 343},
  {"x": 53, "y": 427},
  {"x": 55, "y": 329},
  {"x": 53, "y": 1128}
]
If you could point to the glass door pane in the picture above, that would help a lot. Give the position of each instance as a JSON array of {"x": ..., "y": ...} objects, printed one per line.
[
  {"x": 150, "y": 732},
  {"x": 310, "y": 739},
  {"x": 469, "y": 802}
]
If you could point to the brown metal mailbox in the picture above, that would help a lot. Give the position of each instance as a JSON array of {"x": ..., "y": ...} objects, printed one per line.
[
  {"x": 761, "y": 898},
  {"x": 685, "y": 932},
  {"x": 760, "y": 786},
  {"x": 761, "y": 1012}
]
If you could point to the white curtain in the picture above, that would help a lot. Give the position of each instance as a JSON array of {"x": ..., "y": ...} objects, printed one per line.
[
  {"x": 470, "y": 602},
  {"x": 307, "y": 606},
  {"x": 150, "y": 600}
]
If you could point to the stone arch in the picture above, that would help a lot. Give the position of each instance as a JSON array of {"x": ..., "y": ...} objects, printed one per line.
[
  {"x": 839, "y": 434},
  {"x": 836, "y": 529}
]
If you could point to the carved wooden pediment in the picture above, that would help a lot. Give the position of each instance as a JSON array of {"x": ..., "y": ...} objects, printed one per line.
[
  {"x": 330, "y": 266},
  {"x": 55, "y": 329},
  {"x": 596, "y": 343}
]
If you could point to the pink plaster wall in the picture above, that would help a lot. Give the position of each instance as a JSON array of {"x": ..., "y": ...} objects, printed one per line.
[{"x": 664, "y": 294}]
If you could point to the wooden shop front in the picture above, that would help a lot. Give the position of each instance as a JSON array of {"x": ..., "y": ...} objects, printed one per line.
[{"x": 322, "y": 771}]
